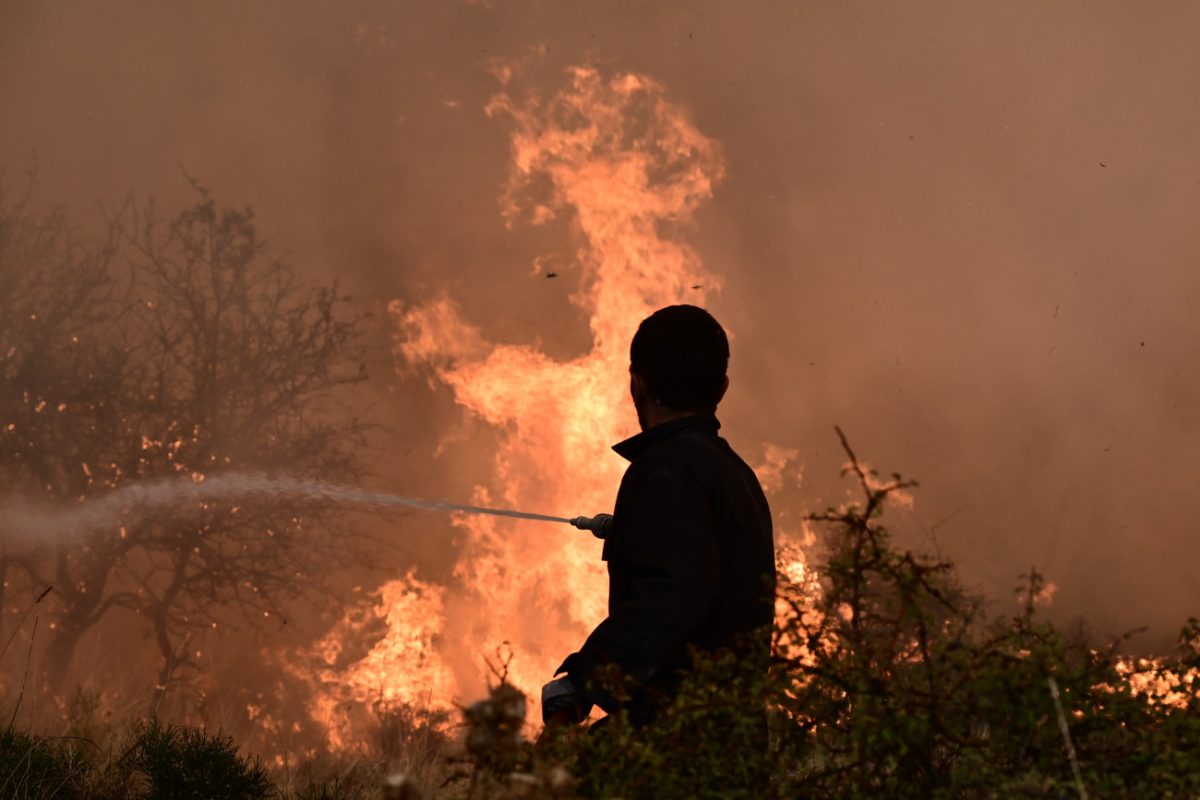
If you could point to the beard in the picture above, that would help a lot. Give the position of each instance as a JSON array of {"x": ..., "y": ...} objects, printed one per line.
[{"x": 641, "y": 414}]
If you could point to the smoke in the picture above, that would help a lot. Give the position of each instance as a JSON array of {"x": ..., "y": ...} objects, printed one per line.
[{"x": 963, "y": 232}]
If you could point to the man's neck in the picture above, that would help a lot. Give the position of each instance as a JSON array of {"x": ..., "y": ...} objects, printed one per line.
[{"x": 654, "y": 415}]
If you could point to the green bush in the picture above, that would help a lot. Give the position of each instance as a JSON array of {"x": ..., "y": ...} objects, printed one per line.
[
  {"x": 889, "y": 680},
  {"x": 711, "y": 742},
  {"x": 904, "y": 688}
]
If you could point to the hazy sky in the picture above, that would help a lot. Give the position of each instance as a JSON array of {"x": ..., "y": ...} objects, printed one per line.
[{"x": 968, "y": 233}]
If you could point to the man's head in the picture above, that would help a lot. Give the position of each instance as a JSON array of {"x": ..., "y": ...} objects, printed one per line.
[{"x": 677, "y": 364}]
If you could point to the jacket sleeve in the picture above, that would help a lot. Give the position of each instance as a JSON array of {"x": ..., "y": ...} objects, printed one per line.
[{"x": 664, "y": 541}]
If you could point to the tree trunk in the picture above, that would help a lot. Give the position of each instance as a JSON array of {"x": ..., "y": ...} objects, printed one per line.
[
  {"x": 61, "y": 652},
  {"x": 172, "y": 658},
  {"x": 81, "y": 592}
]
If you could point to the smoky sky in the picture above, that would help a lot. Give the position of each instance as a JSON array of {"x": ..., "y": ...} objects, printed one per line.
[{"x": 964, "y": 232}]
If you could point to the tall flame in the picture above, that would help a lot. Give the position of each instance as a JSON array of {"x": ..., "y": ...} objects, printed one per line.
[{"x": 628, "y": 168}]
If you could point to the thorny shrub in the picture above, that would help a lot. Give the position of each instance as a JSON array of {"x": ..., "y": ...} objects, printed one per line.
[
  {"x": 904, "y": 688},
  {"x": 890, "y": 680}
]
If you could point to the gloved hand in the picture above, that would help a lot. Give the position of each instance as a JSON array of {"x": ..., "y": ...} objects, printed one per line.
[
  {"x": 562, "y": 704},
  {"x": 599, "y": 525}
]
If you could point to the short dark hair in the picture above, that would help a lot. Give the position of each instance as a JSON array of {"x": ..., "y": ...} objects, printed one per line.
[{"x": 681, "y": 352}]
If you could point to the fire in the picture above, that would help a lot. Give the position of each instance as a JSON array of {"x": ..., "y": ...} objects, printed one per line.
[
  {"x": 629, "y": 169},
  {"x": 403, "y": 622},
  {"x": 1148, "y": 678}
]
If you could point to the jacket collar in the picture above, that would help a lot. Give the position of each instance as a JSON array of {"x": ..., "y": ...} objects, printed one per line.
[{"x": 634, "y": 446}]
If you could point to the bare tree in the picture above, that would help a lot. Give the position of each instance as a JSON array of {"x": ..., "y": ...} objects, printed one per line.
[
  {"x": 223, "y": 360},
  {"x": 60, "y": 362}
]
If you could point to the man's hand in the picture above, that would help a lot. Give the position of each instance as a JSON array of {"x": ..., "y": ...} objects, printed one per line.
[
  {"x": 562, "y": 704},
  {"x": 599, "y": 525}
]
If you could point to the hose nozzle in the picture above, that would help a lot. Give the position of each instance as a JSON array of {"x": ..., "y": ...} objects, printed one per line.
[{"x": 599, "y": 525}]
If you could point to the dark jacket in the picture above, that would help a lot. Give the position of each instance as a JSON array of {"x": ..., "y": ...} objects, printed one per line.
[{"x": 691, "y": 562}]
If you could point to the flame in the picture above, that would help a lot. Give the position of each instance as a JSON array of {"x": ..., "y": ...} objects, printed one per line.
[
  {"x": 398, "y": 630},
  {"x": 629, "y": 169},
  {"x": 1149, "y": 678}
]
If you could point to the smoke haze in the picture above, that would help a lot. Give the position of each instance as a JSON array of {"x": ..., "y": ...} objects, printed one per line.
[{"x": 966, "y": 233}]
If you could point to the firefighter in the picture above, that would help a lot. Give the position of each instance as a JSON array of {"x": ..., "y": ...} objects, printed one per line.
[{"x": 689, "y": 545}]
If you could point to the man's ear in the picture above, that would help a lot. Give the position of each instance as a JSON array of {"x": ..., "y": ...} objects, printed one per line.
[{"x": 637, "y": 387}]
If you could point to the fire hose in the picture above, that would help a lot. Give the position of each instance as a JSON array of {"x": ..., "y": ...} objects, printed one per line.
[{"x": 108, "y": 510}]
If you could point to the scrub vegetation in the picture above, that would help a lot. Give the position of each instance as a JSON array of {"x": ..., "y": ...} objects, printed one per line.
[
  {"x": 891, "y": 680},
  {"x": 888, "y": 678}
]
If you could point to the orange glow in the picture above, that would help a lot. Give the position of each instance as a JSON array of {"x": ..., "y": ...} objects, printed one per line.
[
  {"x": 382, "y": 654},
  {"x": 629, "y": 168},
  {"x": 1148, "y": 678}
]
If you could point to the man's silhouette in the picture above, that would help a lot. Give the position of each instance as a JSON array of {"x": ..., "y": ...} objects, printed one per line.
[{"x": 689, "y": 546}]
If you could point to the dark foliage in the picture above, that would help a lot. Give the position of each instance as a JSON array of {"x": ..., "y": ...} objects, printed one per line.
[
  {"x": 890, "y": 680},
  {"x": 893, "y": 682},
  {"x": 32, "y": 767},
  {"x": 160, "y": 762},
  {"x": 188, "y": 764}
]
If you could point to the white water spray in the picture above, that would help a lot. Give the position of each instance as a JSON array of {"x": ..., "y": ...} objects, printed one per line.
[{"x": 112, "y": 509}]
